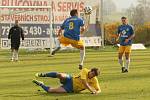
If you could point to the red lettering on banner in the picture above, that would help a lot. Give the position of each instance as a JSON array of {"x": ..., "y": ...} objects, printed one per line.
[
  {"x": 45, "y": 4},
  {"x": 12, "y": 1},
  {"x": 81, "y": 6},
  {"x": 5, "y": 2},
  {"x": 61, "y": 9},
  {"x": 59, "y": 6},
  {"x": 60, "y": 18},
  {"x": 25, "y": 17},
  {"x": 67, "y": 6},
  {"x": 75, "y": 5},
  {"x": 64, "y": 7},
  {"x": 25, "y": 3},
  {"x": 53, "y": 6},
  {"x": 18, "y": 3}
]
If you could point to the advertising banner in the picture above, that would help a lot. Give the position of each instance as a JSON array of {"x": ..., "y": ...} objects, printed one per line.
[{"x": 36, "y": 21}]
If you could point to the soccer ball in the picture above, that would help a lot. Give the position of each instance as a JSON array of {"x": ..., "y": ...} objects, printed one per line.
[{"x": 88, "y": 10}]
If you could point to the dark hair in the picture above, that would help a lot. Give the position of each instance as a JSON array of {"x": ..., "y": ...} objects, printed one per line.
[
  {"x": 96, "y": 71},
  {"x": 123, "y": 17},
  {"x": 73, "y": 12}
]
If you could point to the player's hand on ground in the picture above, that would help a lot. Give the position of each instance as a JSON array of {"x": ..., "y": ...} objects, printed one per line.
[{"x": 94, "y": 92}]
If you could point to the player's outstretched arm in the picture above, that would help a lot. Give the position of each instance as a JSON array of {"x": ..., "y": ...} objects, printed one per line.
[
  {"x": 98, "y": 91},
  {"x": 88, "y": 86},
  {"x": 97, "y": 88},
  {"x": 82, "y": 29}
]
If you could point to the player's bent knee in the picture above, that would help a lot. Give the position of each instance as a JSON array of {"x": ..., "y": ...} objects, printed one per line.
[
  {"x": 57, "y": 90},
  {"x": 49, "y": 90},
  {"x": 127, "y": 55},
  {"x": 81, "y": 47},
  {"x": 120, "y": 55},
  {"x": 61, "y": 75}
]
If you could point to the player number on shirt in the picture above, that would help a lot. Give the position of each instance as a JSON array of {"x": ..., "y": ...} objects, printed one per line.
[{"x": 71, "y": 25}]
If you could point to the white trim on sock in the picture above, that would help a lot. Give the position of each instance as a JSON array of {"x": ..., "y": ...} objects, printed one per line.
[
  {"x": 121, "y": 62},
  {"x": 57, "y": 43},
  {"x": 127, "y": 63},
  {"x": 82, "y": 56}
]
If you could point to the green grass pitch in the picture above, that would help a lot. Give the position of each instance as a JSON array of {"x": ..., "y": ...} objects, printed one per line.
[{"x": 16, "y": 77}]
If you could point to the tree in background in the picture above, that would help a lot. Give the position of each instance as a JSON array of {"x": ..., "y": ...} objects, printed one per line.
[
  {"x": 140, "y": 14},
  {"x": 109, "y": 10},
  {"x": 139, "y": 17},
  {"x": 143, "y": 34},
  {"x": 109, "y": 7}
]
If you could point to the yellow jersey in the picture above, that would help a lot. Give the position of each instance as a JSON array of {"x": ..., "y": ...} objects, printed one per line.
[{"x": 79, "y": 86}]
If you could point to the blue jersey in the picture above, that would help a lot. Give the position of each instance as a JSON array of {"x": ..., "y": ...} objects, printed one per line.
[
  {"x": 125, "y": 31},
  {"x": 71, "y": 27}
]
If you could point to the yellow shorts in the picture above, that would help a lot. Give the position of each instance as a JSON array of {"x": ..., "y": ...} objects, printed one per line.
[
  {"x": 66, "y": 41},
  {"x": 124, "y": 49}
]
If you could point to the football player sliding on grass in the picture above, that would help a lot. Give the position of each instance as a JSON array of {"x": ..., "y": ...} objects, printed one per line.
[{"x": 86, "y": 79}]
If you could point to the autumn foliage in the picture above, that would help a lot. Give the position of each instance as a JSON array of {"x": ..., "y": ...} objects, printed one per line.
[
  {"x": 111, "y": 32},
  {"x": 142, "y": 33}
]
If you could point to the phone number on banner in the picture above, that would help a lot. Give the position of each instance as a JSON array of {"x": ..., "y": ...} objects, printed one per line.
[{"x": 30, "y": 30}]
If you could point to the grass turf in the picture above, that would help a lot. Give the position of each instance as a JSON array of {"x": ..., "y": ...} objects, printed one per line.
[{"x": 16, "y": 77}]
